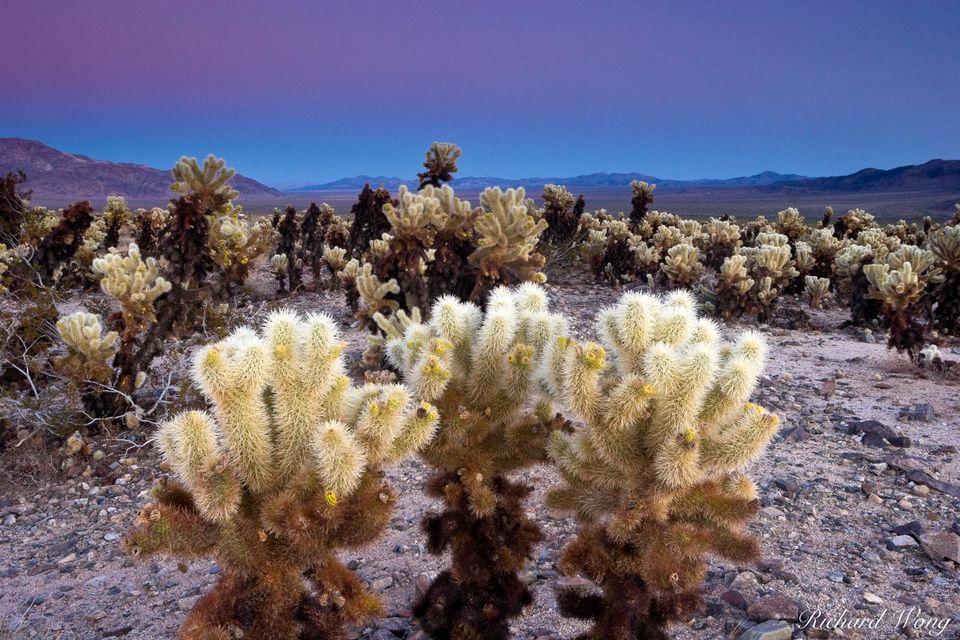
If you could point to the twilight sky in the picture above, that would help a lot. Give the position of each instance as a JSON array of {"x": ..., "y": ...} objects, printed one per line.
[{"x": 292, "y": 92}]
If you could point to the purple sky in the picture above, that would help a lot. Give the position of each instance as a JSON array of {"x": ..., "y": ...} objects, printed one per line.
[{"x": 294, "y": 92}]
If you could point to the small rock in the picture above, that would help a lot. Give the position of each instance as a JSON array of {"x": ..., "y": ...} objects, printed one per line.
[
  {"x": 186, "y": 604},
  {"x": 769, "y": 630},
  {"x": 913, "y": 528},
  {"x": 920, "y": 490},
  {"x": 774, "y": 607},
  {"x": 872, "y": 598},
  {"x": 771, "y": 512},
  {"x": 835, "y": 576},
  {"x": 920, "y": 412},
  {"x": 940, "y": 546},
  {"x": 382, "y": 583},
  {"x": 901, "y": 542}
]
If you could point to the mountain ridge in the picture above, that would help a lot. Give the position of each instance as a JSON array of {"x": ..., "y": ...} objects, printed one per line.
[
  {"x": 591, "y": 180},
  {"x": 57, "y": 175}
]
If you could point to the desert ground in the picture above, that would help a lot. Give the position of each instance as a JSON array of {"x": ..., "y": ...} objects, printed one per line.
[{"x": 842, "y": 515}]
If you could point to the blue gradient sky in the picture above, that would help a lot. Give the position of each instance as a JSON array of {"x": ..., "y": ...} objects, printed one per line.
[{"x": 294, "y": 92}]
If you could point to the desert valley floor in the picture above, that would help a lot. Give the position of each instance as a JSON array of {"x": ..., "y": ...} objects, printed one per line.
[{"x": 844, "y": 508}]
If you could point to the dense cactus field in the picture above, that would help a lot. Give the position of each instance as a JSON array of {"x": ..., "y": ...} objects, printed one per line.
[{"x": 435, "y": 418}]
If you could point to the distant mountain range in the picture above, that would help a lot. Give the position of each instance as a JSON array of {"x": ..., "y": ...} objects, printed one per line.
[
  {"x": 589, "y": 181},
  {"x": 58, "y": 177},
  {"x": 932, "y": 176}
]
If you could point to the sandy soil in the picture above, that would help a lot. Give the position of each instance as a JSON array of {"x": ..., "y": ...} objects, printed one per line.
[{"x": 830, "y": 505}]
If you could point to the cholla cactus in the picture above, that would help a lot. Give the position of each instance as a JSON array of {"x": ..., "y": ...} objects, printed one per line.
[
  {"x": 930, "y": 358},
  {"x": 731, "y": 296},
  {"x": 209, "y": 185},
  {"x": 235, "y": 246},
  {"x": 773, "y": 270},
  {"x": 440, "y": 165},
  {"x": 824, "y": 247},
  {"x": 681, "y": 267},
  {"x": 116, "y": 216},
  {"x": 818, "y": 290},
  {"x": 13, "y": 206},
  {"x": 852, "y": 223},
  {"x": 656, "y": 473},
  {"x": 285, "y": 470},
  {"x": 641, "y": 199},
  {"x": 149, "y": 226},
  {"x": 134, "y": 282},
  {"x": 559, "y": 213},
  {"x": 721, "y": 240},
  {"x": 88, "y": 348},
  {"x": 289, "y": 245},
  {"x": 374, "y": 295},
  {"x": 280, "y": 264},
  {"x": 508, "y": 234},
  {"x": 59, "y": 246},
  {"x": 480, "y": 369},
  {"x": 321, "y": 230},
  {"x": 106, "y": 389},
  {"x": 336, "y": 260},
  {"x": 667, "y": 237},
  {"x": 900, "y": 283},
  {"x": 790, "y": 223},
  {"x": 369, "y": 221},
  {"x": 853, "y": 284},
  {"x": 944, "y": 244},
  {"x": 392, "y": 326}
]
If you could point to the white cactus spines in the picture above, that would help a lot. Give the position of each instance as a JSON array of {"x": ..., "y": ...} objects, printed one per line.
[
  {"x": 83, "y": 333},
  {"x": 666, "y": 411},
  {"x": 281, "y": 405},
  {"x": 135, "y": 282},
  {"x": 485, "y": 364}
]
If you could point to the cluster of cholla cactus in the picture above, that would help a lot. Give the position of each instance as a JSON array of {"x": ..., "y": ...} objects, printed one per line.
[
  {"x": 440, "y": 165},
  {"x": 481, "y": 371},
  {"x": 305, "y": 239},
  {"x": 655, "y": 474},
  {"x": 106, "y": 387},
  {"x": 817, "y": 290},
  {"x": 900, "y": 283},
  {"x": 235, "y": 245},
  {"x": 561, "y": 213},
  {"x": 284, "y": 471},
  {"x": 437, "y": 244},
  {"x": 642, "y": 198}
]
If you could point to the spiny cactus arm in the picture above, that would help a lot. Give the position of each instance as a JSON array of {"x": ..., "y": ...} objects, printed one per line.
[
  {"x": 583, "y": 379},
  {"x": 340, "y": 460},
  {"x": 733, "y": 448},
  {"x": 417, "y": 430},
  {"x": 735, "y": 381},
  {"x": 189, "y": 443},
  {"x": 490, "y": 354},
  {"x": 232, "y": 374},
  {"x": 306, "y": 367},
  {"x": 614, "y": 434}
]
